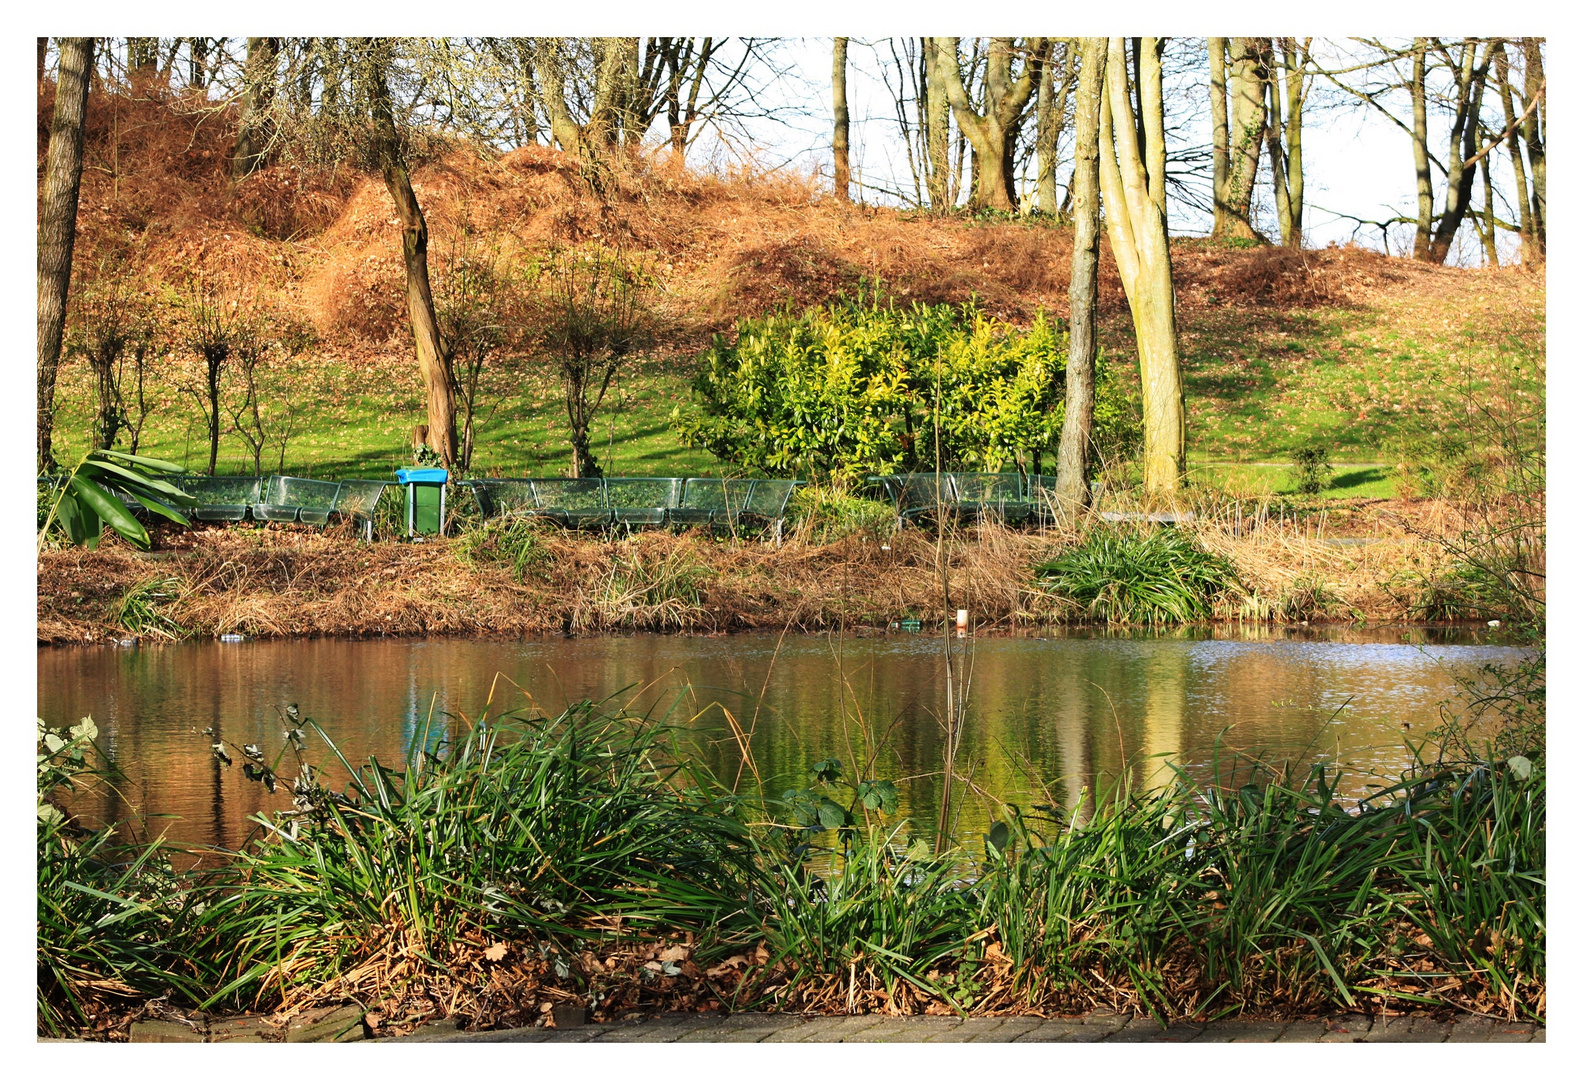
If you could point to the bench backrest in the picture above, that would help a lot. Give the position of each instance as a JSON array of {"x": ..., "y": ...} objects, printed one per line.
[
  {"x": 299, "y": 491},
  {"x": 920, "y": 489},
  {"x": 644, "y": 491},
  {"x": 1001, "y": 487},
  {"x": 222, "y": 490},
  {"x": 359, "y": 496},
  {"x": 561, "y": 494},
  {"x": 729, "y": 496},
  {"x": 768, "y": 497}
]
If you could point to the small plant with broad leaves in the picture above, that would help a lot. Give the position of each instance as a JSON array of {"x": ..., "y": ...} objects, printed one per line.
[
  {"x": 90, "y": 496},
  {"x": 815, "y": 810}
]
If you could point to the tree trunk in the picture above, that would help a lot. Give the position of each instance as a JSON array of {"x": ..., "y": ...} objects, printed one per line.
[
  {"x": 1077, "y": 429},
  {"x": 43, "y": 53},
  {"x": 57, "y": 228},
  {"x": 843, "y": 165},
  {"x": 1151, "y": 97},
  {"x": 1051, "y": 120},
  {"x": 1244, "y": 137},
  {"x": 1426, "y": 188},
  {"x": 1220, "y": 137},
  {"x": 1463, "y": 145},
  {"x": 252, "y": 139},
  {"x": 938, "y": 113},
  {"x": 434, "y": 360},
  {"x": 1284, "y": 134},
  {"x": 1525, "y": 229},
  {"x": 1534, "y": 135},
  {"x": 1142, "y": 251}
]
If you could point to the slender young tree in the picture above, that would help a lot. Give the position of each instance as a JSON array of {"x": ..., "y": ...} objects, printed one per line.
[
  {"x": 1138, "y": 240},
  {"x": 1288, "y": 64},
  {"x": 57, "y": 228},
  {"x": 1077, "y": 428},
  {"x": 1055, "y": 86},
  {"x": 840, "y": 141},
  {"x": 434, "y": 357}
]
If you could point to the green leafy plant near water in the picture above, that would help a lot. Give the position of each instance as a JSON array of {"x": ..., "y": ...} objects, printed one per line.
[{"x": 1130, "y": 577}]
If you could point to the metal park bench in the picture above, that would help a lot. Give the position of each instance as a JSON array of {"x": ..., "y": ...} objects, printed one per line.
[
  {"x": 1004, "y": 496},
  {"x": 635, "y": 501},
  {"x": 355, "y": 501},
  {"x": 222, "y": 498},
  {"x": 295, "y": 498}
]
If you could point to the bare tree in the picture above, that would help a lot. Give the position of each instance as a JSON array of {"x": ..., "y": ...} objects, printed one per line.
[
  {"x": 1077, "y": 427},
  {"x": 992, "y": 132},
  {"x": 376, "y": 56},
  {"x": 57, "y": 229},
  {"x": 840, "y": 141},
  {"x": 1136, "y": 225},
  {"x": 595, "y": 320}
]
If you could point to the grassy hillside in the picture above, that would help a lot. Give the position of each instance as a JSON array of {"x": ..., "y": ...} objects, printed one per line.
[{"x": 1342, "y": 348}]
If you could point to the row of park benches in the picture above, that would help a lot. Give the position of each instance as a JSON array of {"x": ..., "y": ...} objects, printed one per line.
[
  {"x": 1009, "y": 497},
  {"x": 631, "y": 501}
]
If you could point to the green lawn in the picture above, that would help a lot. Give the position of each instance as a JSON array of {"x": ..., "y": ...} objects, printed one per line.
[{"x": 1362, "y": 382}]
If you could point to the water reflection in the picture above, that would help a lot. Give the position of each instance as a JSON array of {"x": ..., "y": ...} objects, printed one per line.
[{"x": 1047, "y": 715}]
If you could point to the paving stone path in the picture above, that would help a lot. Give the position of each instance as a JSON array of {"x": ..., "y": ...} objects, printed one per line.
[{"x": 1095, "y": 1027}]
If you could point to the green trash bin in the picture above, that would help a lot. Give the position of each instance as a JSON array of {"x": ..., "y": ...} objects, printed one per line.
[{"x": 425, "y": 500}]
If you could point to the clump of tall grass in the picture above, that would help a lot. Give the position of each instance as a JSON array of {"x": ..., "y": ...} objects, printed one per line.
[
  {"x": 545, "y": 830},
  {"x": 645, "y": 588},
  {"x": 517, "y": 543},
  {"x": 1124, "y": 576},
  {"x": 820, "y": 514},
  {"x": 143, "y": 609}
]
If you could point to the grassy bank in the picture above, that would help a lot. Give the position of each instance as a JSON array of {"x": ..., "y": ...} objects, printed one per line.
[
  {"x": 843, "y": 564},
  {"x": 583, "y": 859}
]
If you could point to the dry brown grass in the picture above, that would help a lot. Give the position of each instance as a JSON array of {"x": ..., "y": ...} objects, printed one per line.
[
  {"x": 292, "y": 582},
  {"x": 723, "y": 247}
]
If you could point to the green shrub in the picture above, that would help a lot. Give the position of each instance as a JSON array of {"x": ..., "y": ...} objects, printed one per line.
[
  {"x": 854, "y": 387},
  {"x": 825, "y": 514},
  {"x": 1311, "y": 466},
  {"x": 1122, "y": 576}
]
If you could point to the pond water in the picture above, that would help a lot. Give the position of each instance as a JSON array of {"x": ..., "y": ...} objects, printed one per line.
[{"x": 1046, "y": 714}]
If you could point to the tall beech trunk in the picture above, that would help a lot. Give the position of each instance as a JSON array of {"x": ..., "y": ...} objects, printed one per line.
[
  {"x": 1141, "y": 248},
  {"x": 937, "y": 110},
  {"x": 1220, "y": 136},
  {"x": 1077, "y": 429},
  {"x": 1244, "y": 136},
  {"x": 1288, "y": 73},
  {"x": 434, "y": 359},
  {"x": 1534, "y": 133},
  {"x": 57, "y": 227},
  {"x": 1051, "y": 119},
  {"x": 1531, "y": 250},
  {"x": 840, "y": 141}
]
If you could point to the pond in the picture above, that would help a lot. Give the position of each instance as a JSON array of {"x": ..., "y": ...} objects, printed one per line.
[{"x": 1046, "y": 715}]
